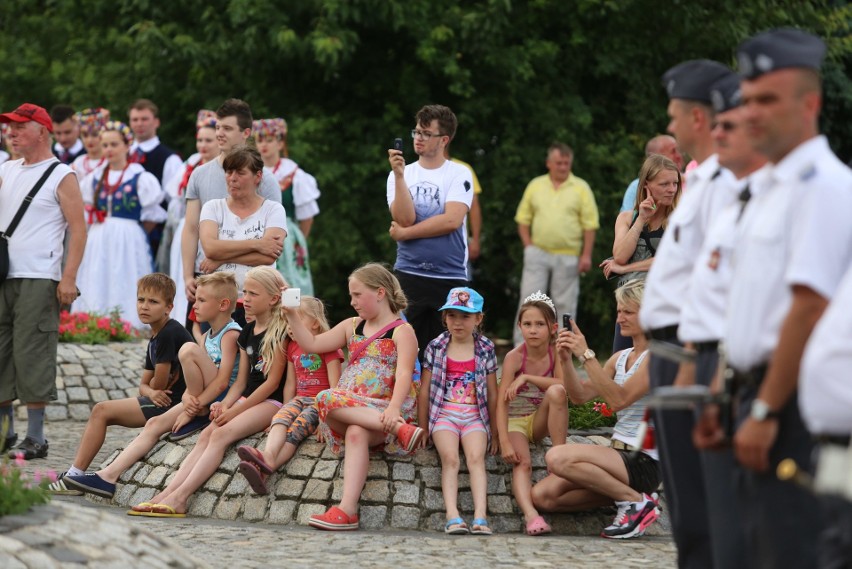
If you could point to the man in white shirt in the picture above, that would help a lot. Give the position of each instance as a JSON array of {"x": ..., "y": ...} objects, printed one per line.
[
  {"x": 37, "y": 284},
  {"x": 66, "y": 131},
  {"x": 793, "y": 247},
  {"x": 689, "y": 85}
]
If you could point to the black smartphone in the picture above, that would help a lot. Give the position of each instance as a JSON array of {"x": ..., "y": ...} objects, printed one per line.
[
  {"x": 566, "y": 322},
  {"x": 397, "y": 144}
]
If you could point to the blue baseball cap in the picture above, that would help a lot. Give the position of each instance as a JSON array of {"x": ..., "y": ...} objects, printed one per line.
[{"x": 464, "y": 299}]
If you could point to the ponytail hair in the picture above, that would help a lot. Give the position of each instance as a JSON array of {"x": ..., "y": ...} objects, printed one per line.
[
  {"x": 273, "y": 341},
  {"x": 376, "y": 276}
]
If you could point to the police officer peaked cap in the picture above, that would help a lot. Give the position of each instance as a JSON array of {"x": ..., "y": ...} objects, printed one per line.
[
  {"x": 725, "y": 94},
  {"x": 693, "y": 79},
  {"x": 779, "y": 49}
]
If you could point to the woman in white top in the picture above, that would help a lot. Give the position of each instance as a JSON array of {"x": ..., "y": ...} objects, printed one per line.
[
  {"x": 588, "y": 476},
  {"x": 117, "y": 196},
  {"x": 243, "y": 230}
]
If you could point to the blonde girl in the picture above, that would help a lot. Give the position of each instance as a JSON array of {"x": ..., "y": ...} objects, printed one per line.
[
  {"x": 461, "y": 371},
  {"x": 374, "y": 404},
  {"x": 307, "y": 375},
  {"x": 532, "y": 403},
  {"x": 251, "y": 401}
]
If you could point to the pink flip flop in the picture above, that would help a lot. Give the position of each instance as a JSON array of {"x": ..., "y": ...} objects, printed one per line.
[
  {"x": 251, "y": 454},
  {"x": 537, "y": 526},
  {"x": 256, "y": 479}
]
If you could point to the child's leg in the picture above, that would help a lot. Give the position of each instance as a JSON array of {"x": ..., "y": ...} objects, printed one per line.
[
  {"x": 188, "y": 463},
  {"x": 124, "y": 412},
  {"x": 522, "y": 475},
  {"x": 475, "y": 444},
  {"x": 556, "y": 494},
  {"x": 447, "y": 445},
  {"x": 366, "y": 417},
  {"x": 198, "y": 369},
  {"x": 139, "y": 447},
  {"x": 280, "y": 427},
  {"x": 355, "y": 464},
  {"x": 303, "y": 426},
  {"x": 597, "y": 468},
  {"x": 552, "y": 416},
  {"x": 247, "y": 423}
]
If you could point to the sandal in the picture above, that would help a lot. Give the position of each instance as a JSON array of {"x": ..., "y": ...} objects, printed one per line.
[
  {"x": 251, "y": 454},
  {"x": 256, "y": 479},
  {"x": 479, "y": 526},
  {"x": 537, "y": 526},
  {"x": 456, "y": 526},
  {"x": 334, "y": 519},
  {"x": 141, "y": 508}
]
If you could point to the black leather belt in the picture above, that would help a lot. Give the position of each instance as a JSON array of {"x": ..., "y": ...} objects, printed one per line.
[
  {"x": 711, "y": 346},
  {"x": 664, "y": 334},
  {"x": 751, "y": 378},
  {"x": 619, "y": 445}
]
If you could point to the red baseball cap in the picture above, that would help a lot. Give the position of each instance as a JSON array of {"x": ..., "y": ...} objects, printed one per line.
[{"x": 29, "y": 112}]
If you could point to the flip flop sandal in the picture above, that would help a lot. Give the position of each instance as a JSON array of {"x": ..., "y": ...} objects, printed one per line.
[
  {"x": 456, "y": 526},
  {"x": 162, "y": 511},
  {"x": 537, "y": 526},
  {"x": 251, "y": 454},
  {"x": 256, "y": 479},
  {"x": 479, "y": 526},
  {"x": 140, "y": 509}
]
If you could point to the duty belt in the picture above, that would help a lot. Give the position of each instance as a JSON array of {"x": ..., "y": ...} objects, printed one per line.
[
  {"x": 751, "y": 378},
  {"x": 701, "y": 347},
  {"x": 664, "y": 334}
]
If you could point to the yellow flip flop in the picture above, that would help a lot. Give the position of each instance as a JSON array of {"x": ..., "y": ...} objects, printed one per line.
[
  {"x": 146, "y": 505},
  {"x": 162, "y": 511}
]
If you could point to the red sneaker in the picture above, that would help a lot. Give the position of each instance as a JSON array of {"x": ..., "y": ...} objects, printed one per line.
[
  {"x": 334, "y": 519},
  {"x": 409, "y": 436}
]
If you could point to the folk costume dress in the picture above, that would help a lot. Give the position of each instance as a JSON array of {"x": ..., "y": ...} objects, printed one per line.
[
  {"x": 368, "y": 382},
  {"x": 117, "y": 252},
  {"x": 299, "y": 193}
]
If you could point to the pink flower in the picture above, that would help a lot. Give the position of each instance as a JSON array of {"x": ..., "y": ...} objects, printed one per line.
[
  {"x": 19, "y": 459},
  {"x": 126, "y": 326},
  {"x": 37, "y": 477},
  {"x": 103, "y": 323},
  {"x": 51, "y": 475}
]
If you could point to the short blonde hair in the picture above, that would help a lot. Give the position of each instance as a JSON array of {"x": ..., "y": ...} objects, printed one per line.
[
  {"x": 223, "y": 284},
  {"x": 376, "y": 276},
  {"x": 630, "y": 292}
]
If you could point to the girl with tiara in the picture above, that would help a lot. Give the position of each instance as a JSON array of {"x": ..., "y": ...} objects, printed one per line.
[
  {"x": 299, "y": 193},
  {"x": 169, "y": 256},
  {"x": 91, "y": 123},
  {"x": 116, "y": 195}
]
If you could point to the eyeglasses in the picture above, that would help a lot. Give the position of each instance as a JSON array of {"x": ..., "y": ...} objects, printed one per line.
[{"x": 425, "y": 135}]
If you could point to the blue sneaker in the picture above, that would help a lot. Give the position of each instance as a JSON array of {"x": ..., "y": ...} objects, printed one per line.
[
  {"x": 197, "y": 424},
  {"x": 91, "y": 483}
]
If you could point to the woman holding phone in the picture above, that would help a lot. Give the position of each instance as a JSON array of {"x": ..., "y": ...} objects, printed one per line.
[{"x": 638, "y": 232}]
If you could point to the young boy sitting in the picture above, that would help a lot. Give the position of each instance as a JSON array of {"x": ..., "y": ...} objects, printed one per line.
[
  {"x": 208, "y": 376},
  {"x": 162, "y": 383}
]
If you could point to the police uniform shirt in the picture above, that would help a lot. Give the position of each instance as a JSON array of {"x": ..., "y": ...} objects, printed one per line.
[
  {"x": 825, "y": 391},
  {"x": 702, "y": 318},
  {"x": 796, "y": 232},
  {"x": 668, "y": 279}
]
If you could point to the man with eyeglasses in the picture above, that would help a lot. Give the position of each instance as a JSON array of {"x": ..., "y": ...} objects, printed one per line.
[
  {"x": 557, "y": 220},
  {"x": 429, "y": 200}
]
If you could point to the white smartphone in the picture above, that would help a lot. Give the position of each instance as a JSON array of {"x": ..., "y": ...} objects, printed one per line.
[{"x": 291, "y": 298}]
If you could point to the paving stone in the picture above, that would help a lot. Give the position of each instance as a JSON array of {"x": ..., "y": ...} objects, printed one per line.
[
  {"x": 376, "y": 491},
  {"x": 464, "y": 481},
  {"x": 56, "y": 412},
  {"x": 403, "y": 471},
  {"x": 238, "y": 486},
  {"x": 317, "y": 491},
  {"x": 300, "y": 467},
  {"x": 434, "y": 500},
  {"x": 427, "y": 457},
  {"x": 290, "y": 487},
  {"x": 465, "y": 501},
  {"x": 156, "y": 477},
  {"x": 124, "y": 493},
  {"x": 116, "y": 393},
  {"x": 311, "y": 449},
  {"x": 337, "y": 490},
  {"x": 500, "y": 505},
  {"x": 142, "y": 474},
  {"x": 72, "y": 381},
  {"x": 308, "y": 510},
  {"x": 255, "y": 509},
  {"x": 69, "y": 370},
  {"x": 377, "y": 469},
  {"x": 404, "y": 517},
  {"x": 431, "y": 476},
  {"x": 372, "y": 517},
  {"x": 202, "y": 504},
  {"x": 326, "y": 469},
  {"x": 91, "y": 381},
  {"x": 496, "y": 484},
  {"x": 99, "y": 395},
  {"x": 141, "y": 495},
  {"x": 175, "y": 456},
  {"x": 77, "y": 394},
  {"x": 404, "y": 493},
  {"x": 217, "y": 482},
  {"x": 79, "y": 411}
]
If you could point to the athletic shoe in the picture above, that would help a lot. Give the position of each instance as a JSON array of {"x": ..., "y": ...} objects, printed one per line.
[
  {"x": 29, "y": 449},
  {"x": 91, "y": 483},
  {"x": 409, "y": 436},
  {"x": 632, "y": 520},
  {"x": 59, "y": 488}
]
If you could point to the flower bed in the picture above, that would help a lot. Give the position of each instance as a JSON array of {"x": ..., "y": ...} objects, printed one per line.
[{"x": 95, "y": 328}]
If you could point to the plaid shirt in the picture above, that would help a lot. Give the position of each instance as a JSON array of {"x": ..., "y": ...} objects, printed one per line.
[{"x": 485, "y": 363}]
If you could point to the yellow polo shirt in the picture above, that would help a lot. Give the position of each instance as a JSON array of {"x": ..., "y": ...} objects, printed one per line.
[{"x": 558, "y": 216}]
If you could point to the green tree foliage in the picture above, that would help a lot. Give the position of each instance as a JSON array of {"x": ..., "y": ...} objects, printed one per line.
[{"x": 349, "y": 75}]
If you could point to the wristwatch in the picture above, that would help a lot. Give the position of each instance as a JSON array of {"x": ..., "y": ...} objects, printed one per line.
[
  {"x": 587, "y": 355},
  {"x": 760, "y": 411}
]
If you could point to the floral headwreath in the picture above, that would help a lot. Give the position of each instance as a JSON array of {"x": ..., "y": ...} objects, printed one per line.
[
  {"x": 205, "y": 119},
  {"x": 539, "y": 296},
  {"x": 276, "y": 127},
  {"x": 121, "y": 129},
  {"x": 93, "y": 119}
]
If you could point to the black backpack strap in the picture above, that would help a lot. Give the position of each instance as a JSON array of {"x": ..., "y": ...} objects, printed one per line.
[{"x": 28, "y": 200}]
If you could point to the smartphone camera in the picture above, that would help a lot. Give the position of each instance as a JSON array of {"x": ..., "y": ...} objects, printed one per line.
[
  {"x": 397, "y": 144},
  {"x": 292, "y": 298},
  {"x": 566, "y": 322}
]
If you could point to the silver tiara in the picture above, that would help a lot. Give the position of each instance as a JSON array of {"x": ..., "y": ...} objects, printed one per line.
[{"x": 539, "y": 296}]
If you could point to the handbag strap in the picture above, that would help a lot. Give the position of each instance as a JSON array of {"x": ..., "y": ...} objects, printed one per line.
[
  {"x": 353, "y": 355},
  {"x": 28, "y": 200}
]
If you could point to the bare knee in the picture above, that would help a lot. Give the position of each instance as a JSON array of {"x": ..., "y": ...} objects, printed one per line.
[
  {"x": 450, "y": 460},
  {"x": 556, "y": 395},
  {"x": 101, "y": 412},
  {"x": 188, "y": 351},
  {"x": 542, "y": 499},
  {"x": 475, "y": 462},
  {"x": 357, "y": 435},
  {"x": 560, "y": 459}
]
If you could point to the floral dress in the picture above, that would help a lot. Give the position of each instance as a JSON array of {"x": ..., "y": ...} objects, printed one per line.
[{"x": 368, "y": 382}]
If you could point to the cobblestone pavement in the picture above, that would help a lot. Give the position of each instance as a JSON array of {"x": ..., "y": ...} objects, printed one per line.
[{"x": 244, "y": 544}]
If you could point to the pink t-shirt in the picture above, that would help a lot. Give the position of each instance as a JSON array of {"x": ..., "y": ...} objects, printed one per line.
[
  {"x": 311, "y": 369},
  {"x": 461, "y": 382}
]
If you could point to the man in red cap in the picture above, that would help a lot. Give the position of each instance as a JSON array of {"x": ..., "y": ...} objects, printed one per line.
[{"x": 36, "y": 285}]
